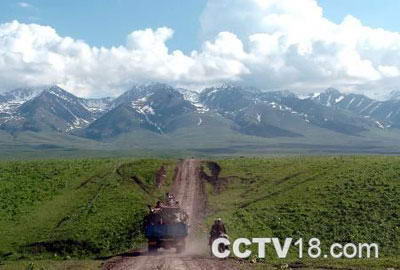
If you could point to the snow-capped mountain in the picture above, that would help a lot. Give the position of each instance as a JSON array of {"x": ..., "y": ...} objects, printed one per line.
[
  {"x": 385, "y": 113},
  {"x": 53, "y": 109},
  {"x": 278, "y": 113},
  {"x": 10, "y": 101},
  {"x": 50, "y": 108},
  {"x": 21, "y": 95},
  {"x": 162, "y": 109},
  {"x": 151, "y": 107},
  {"x": 97, "y": 106}
]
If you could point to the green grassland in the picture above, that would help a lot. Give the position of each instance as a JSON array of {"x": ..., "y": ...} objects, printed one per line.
[
  {"x": 216, "y": 140},
  {"x": 62, "y": 214},
  {"x": 63, "y": 209},
  {"x": 54, "y": 264},
  {"x": 336, "y": 199}
]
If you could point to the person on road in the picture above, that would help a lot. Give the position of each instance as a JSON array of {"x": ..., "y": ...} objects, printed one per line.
[{"x": 217, "y": 229}]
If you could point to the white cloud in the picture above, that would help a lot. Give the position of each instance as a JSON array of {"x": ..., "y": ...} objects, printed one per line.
[
  {"x": 292, "y": 45},
  {"x": 267, "y": 43},
  {"x": 33, "y": 55},
  {"x": 24, "y": 5}
]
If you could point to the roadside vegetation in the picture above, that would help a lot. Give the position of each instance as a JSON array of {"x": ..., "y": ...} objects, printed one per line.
[
  {"x": 62, "y": 214},
  {"x": 351, "y": 199},
  {"x": 74, "y": 209}
]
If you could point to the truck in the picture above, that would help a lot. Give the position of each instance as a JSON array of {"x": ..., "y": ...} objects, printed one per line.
[{"x": 166, "y": 227}]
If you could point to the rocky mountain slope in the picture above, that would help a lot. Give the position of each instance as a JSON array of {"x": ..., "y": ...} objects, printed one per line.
[
  {"x": 228, "y": 111},
  {"x": 385, "y": 113},
  {"x": 50, "y": 109}
]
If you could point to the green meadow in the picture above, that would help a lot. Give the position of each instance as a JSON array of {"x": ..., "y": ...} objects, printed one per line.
[
  {"x": 352, "y": 199},
  {"x": 74, "y": 214},
  {"x": 87, "y": 208}
]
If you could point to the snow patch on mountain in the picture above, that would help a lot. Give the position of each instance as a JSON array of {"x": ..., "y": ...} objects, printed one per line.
[
  {"x": 259, "y": 118},
  {"x": 315, "y": 95},
  {"x": 146, "y": 110},
  {"x": 194, "y": 98},
  {"x": 22, "y": 95},
  {"x": 141, "y": 107},
  {"x": 77, "y": 123},
  {"x": 96, "y": 105},
  {"x": 380, "y": 125},
  {"x": 339, "y": 99},
  {"x": 15, "y": 98}
]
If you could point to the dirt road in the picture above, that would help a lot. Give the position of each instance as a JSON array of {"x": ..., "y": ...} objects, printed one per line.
[{"x": 189, "y": 191}]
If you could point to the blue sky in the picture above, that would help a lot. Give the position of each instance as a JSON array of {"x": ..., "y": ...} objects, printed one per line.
[
  {"x": 107, "y": 22},
  {"x": 374, "y": 13}
]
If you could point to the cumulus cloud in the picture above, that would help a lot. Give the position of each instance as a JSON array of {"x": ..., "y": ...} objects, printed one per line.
[
  {"x": 34, "y": 55},
  {"x": 24, "y": 5},
  {"x": 290, "y": 44},
  {"x": 272, "y": 44}
]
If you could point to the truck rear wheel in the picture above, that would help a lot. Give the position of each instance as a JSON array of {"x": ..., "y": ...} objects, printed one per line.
[
  {"x": 152, "y": 249},
  {"x": 181, "y": 247}
]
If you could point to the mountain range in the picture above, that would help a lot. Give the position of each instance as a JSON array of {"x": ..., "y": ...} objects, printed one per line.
[{"x": 224, "y": 119}]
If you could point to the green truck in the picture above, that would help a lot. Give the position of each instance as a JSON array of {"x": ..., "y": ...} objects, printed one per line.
[{"x": 166, "y": 227}]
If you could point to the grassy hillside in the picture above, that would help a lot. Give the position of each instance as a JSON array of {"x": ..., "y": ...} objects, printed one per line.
[
  {"x": 212, "y": 138},
  {"x": 336, "y": 199},
  {"x": 75, "y": 208}
]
